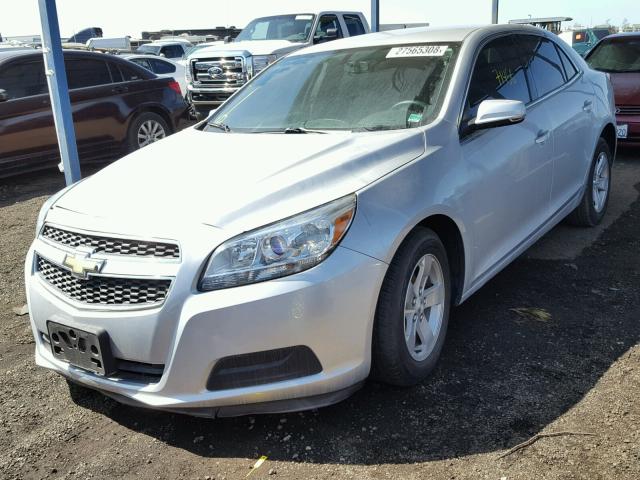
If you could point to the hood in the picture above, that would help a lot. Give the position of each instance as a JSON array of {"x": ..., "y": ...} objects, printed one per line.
[
  {"x": 256, "y": 47},
  {"x": 238, "y": 181},
  {"x": 626, "y": 88}
]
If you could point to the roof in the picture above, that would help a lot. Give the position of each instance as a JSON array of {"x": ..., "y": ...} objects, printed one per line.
[
  {"x": 411, "y": 36},
  {"x": 623, "y": 35}
]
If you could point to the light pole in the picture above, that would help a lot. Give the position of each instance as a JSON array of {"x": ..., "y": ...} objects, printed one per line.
[
  {"x": 375, "y": 15},
  {"x": 59, "y": 90},
  {"x": 494, "y": 11}
]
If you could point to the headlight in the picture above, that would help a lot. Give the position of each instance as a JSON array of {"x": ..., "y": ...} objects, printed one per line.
[
  {"x": 260, "y": 62},
  {"x": 284, "y": 248}
]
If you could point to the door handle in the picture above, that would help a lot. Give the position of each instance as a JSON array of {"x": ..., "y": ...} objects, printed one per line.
[
  {"x": 542, "y": 137},
  {"x": 120, "y": 89},
  {"x": 587, "y": 105}
]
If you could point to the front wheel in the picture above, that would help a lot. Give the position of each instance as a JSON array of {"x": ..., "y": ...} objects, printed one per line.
[
  {"x": 413, "y": 311},
  {"x": 595, "y": 200}
]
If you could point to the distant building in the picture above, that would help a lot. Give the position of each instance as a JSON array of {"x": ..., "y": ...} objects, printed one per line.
[{"x": 553, "y": 24}]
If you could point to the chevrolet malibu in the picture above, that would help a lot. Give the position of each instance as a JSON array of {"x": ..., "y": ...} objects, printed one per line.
[{"x": 318, "y": 227}]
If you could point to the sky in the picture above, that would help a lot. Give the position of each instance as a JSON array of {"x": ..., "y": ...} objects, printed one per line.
[{"x": 131, "y": 17}]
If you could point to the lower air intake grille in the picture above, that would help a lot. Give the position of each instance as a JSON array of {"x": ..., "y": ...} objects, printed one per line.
[{"x": 104, "y": 290}]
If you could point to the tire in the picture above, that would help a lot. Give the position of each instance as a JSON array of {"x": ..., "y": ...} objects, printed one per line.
[
  {"x": 592, "y": 209},
  {"x": 146, "y": 122},
  {"x": 395, "y": 360}
]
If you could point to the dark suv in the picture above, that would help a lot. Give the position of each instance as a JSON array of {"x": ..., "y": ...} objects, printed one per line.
[{"x": 117, "y": 106}]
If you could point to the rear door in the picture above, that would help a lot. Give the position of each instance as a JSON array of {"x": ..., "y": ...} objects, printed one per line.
[
  {"x": 27, "y": 131},
  {"x": 510, "y": 167},
  {"x": 96, "y": 106},
  {"x": 568, "y": 98}
]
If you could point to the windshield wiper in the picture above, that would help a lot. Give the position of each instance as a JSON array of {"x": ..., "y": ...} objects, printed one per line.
[
  {"x": 301, "y": 130},
  {"x": 220, "y": 126},
  {"x": 376, "y": 128}
]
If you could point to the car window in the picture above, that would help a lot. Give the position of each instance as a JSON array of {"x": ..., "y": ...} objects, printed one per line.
[
  {"x": 24, "y": 79},
  {"x": 543, "y": 63},
  {"x": 116, "y": 75},
  {"x": 580, "y": 36},
  {"x": 497, "y": 74},
  {"x": 160, "y": 67},
  {"x": 130, "y": 74},
  {"x": 87, "y": 72},
  {"x": 569, "y": 68},
  {"x": 172, "y": 51},
  {"x": 143, "y": 62},
  {"x": 326, "y": 23},
  {"x": 354, "y": 25},
  {"x": 618, "y": 55}
]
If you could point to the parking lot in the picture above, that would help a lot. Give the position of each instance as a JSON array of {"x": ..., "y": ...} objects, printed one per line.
[{"x": 505, "y": 376}]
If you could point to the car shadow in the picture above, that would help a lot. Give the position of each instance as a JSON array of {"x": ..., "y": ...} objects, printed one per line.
[{"x": 503, "y": 377}]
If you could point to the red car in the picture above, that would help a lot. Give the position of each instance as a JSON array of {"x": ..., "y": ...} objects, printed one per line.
[{"x": 619, "y": 55}]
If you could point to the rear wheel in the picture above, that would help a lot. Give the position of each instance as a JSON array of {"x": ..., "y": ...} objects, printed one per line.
[
  {"x": 413, "y": 311},
  {"x": 595, "y": 200},
  {"x": 145, "y": 129}
]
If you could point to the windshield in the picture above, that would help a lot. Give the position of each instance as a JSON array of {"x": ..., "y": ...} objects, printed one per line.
[
  {"x": 152, "y": 49},
  {"x": 294, "y": 28},
  {"x": 373, "y": 88},
  {"x": 618, "y": 55}
]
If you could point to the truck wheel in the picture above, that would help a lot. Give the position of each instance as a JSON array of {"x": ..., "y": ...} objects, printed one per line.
[
  {"x": 413, "y": 311},
  {"x": 145, "y": 129},
  {"x": 595, "y": 200}
]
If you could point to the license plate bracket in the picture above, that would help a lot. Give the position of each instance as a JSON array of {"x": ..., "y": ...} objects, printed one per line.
[{"x": 89, "y": 351}]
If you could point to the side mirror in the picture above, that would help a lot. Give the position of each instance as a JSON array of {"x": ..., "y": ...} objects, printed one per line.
[
  {"x": 498, "y": 113},
  {"x": 227, "y": 39},
  {"x": 4, "y": 96},
  {"x": 332, "y": 34}
]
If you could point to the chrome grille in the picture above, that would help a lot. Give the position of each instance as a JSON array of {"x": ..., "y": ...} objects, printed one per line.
[
  {"x": 113, "y": 246},
  {"x": 98, "y": 290},
  {"x": 233, "y": 72},
  {"x": 628, "y": 110}
]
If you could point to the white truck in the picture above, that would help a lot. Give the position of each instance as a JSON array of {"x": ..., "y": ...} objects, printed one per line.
[{"x": 217, "y": 72}]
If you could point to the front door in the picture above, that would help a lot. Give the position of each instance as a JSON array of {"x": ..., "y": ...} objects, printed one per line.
[
  {"x": 27, "y": 131},
  {"x": 511, "y": 166}
]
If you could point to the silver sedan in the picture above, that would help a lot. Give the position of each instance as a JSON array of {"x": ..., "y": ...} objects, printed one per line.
[{"x": 318, "y": 227}]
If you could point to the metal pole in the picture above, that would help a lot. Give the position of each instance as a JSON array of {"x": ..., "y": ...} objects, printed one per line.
[
  {"x": 375, "y": 15},
  {"x": 494, "y": 11},
  {"x": 59, "y": 90}
]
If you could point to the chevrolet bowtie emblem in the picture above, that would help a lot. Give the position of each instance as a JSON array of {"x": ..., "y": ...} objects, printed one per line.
[{"x": 82, "y": 266}]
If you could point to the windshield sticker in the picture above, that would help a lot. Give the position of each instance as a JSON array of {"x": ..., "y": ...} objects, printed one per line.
[
  {"x": 304, "y": 17},
  {"x": 418, "y": 51}
]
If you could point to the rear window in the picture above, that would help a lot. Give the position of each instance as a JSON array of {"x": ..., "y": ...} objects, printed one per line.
[
  {"x": 130, "y": 74},
  {"x": 619, "y": 55},
  {"x": 162, "y": 68}
]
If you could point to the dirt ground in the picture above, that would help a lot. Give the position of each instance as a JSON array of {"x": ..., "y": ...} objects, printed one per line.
[{"x": 503, "y": 379}]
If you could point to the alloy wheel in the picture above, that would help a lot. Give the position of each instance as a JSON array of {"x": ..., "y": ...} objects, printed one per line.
[
  {"x": 601, "y": 180},
  {"x": 424, "y": 307},
  {"x": 149, "y": 132}
]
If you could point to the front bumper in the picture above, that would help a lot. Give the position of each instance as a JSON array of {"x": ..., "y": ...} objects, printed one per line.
[{"x": 329, "y": 309}]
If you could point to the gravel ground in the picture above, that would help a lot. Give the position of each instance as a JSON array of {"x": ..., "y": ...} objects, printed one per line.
[{"x": 503, "y": 379}]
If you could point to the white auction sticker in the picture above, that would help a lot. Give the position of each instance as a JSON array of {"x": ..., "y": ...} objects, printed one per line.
[
  {"x": 304, "y": 17},
  {"x": 418, "y": 51}
]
